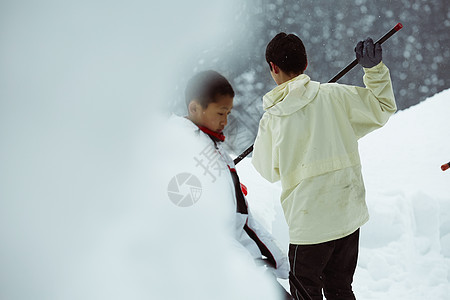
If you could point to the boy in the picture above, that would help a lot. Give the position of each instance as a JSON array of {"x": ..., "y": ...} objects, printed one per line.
[
  {"x": 209, "y": 99},
  {"x": 308, "y": 139}
]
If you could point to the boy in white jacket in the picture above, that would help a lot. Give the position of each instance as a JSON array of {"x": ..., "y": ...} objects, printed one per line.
[
  {"x": 308, "y": 139},
  {"x": 209, "y": 99}
]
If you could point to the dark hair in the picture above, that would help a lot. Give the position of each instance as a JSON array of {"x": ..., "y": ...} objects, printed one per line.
[
  {"x": 287, "y": 52},
  {"x": 206, "y": 86}
]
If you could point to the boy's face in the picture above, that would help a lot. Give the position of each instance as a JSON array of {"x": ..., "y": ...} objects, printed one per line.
[{"x": 215, "y": 116}]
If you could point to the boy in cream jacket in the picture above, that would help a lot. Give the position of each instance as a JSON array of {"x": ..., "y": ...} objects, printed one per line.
[{"x": 308, "y": 139}]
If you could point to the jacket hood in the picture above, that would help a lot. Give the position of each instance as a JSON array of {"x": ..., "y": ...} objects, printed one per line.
[{"x": 290, "y": 96}]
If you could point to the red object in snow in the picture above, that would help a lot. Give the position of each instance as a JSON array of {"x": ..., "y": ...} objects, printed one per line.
[
  {"x": 244, "y": 189},
  {"x": 445, "y": 166}
]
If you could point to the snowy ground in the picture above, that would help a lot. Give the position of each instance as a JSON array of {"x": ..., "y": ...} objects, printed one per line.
[
  {"x": 405, "y": 246},
  {"x": 84, "y": 217}
]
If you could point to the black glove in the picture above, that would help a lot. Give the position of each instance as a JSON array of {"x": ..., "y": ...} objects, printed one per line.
[{"x": 368, "y": 54}]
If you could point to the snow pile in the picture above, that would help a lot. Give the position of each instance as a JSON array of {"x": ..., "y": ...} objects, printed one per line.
[
  {"x": 101, "y": 226},
  {"x": 84, "y": 210},
  {"x": 405, "y": 246}
]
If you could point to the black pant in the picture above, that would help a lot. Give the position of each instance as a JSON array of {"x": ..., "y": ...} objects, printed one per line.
[{"x": 329, "y": 266}]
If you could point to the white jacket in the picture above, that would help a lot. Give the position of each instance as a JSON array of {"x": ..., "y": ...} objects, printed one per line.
[
  {"x": 308, "y": 139},
  {"x": 212, "y": 166}
]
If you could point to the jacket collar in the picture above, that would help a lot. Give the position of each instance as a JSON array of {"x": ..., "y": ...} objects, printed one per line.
[
  {"x": 218, "y": 137},
  {"x": 290, "y": 96}
]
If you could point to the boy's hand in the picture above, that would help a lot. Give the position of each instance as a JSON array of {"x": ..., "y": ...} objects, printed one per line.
[{"x": 368, "y": 54}]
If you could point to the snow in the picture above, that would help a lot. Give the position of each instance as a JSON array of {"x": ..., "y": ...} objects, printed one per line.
[
  {"x": 89, "y": 217},
  {"x": 405, "y": 246},
  {"x": 100, "y": 225}
]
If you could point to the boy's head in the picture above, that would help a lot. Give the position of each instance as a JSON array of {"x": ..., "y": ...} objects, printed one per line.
[
  {"x": 286, "y": 53},
  {"x": 209, "y": 98}
]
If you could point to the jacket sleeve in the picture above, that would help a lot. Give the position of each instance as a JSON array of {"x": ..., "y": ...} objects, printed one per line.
[
  {"x": 369, "y": 108},
  {"x": 265, "y": 157},
  {"x": 268, "y": 246}
]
